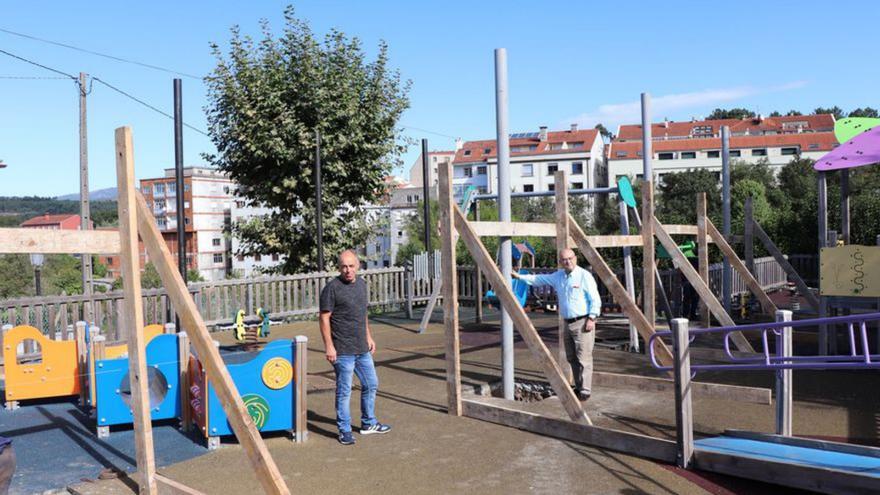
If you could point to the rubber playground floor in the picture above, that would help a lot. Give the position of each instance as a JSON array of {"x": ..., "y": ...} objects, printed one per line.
[{"x": 429, "y": 451}]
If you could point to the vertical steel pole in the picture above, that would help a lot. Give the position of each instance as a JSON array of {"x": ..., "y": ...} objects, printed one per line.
[
  {"x": 726, "y": 274},
  {"x": 426, "y": 206},
  {"x": 179, "y": 187},
  {"x": 823, "y": 242},
  {"x": 647, "y": 167},
  {"x": 501, "y": 117},
  {"x": 783, "y": 378},
  {"x": 318, "y": 215},
  {"x": 85, "y": 217},
  {"x": 628, "y": 273},
  {"x": 844, "y": 206}
]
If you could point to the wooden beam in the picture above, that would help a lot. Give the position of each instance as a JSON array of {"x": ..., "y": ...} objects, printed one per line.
[
  {"x": 702, "y": 289},
  {"x": 520, "y": 319},
  {"x": 682, "y": 229},
  {"x": 522, "y": 229},
  {"x": 648, "y": 261},
  {"x": 627, "y": 304},
  {"x": 133, "y": 315},
  {"x": 735, "y": 393},
  {"x": 562, "y": 243},
  {"x": 261, "y": 461},
  {"x": 450, "y": 289},
  {"x": 605, "y": 438},
  {"x": 740, "y": 267},
  {"x": 748, "y": 235},
  {"x": 703, "y": 254},
  {"x": 170, "y": 487},
  {"x": 27, "y": 241},
  {"x": 774, "y": 251}
]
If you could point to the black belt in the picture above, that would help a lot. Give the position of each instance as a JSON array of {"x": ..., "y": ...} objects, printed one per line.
[{"x": 576, "y": 318}]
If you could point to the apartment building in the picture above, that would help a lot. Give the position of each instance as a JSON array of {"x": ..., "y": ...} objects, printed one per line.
[
  {"x": 435, "y": 159},
  {"x": 64, "y": 221},
  {"x": 252, "y": 265},
  {"x": 390, "y": 218},
  {"x": 207, "y": 201},
  {"x": 681, "y": 146}
]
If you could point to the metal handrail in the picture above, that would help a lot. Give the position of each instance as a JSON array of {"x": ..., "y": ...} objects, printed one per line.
[{"x": 766, "y": 361}]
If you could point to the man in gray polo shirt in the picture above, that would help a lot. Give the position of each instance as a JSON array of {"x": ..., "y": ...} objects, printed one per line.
[{"x": 349, "y": 346}]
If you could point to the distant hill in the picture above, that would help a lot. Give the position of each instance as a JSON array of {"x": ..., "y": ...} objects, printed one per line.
[
  {"x": 17, "y": 209},
  {"x": 108, "y": 194}
]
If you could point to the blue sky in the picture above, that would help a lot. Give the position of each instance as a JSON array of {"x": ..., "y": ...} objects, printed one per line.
[{"x": 569, "y": 62}]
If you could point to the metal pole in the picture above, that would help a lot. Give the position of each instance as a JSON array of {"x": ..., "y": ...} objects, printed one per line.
[
  {"x": 426, "y": 206},
  {"x": 783, "y": 378},
  {"x": 844, "y": 205},
  {"x": 179, "y": 187},
  {"x": 85, "y": 217},
  {"x": 38, "y": 286},
  {"x": 628, "y": 273},
  {"x": 501, "y": 116},
  {"x": 318, "y": 214},
  {"x": 726, "y": 274},
  {"x": 647, "y": 169},
  {"x": 823, "y": 242}
]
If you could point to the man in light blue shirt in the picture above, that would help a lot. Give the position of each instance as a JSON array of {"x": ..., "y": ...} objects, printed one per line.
[{"x": 579, "y": 305}]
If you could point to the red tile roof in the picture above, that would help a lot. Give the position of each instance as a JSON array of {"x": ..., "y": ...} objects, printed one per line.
[
  {"x": 47, "y": 220},
  {"x": 822, "y": 141},
  {"x": 815, "y": 123},
  {"x": 479, "y": 153}
]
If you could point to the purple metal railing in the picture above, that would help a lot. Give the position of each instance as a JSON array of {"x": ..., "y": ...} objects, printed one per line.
[{"x": 766, "y": 361}]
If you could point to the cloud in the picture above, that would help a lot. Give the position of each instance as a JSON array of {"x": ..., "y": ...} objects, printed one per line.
[{"x": 612, "y": 115}]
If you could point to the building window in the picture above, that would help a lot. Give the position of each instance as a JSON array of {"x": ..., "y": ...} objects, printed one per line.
[
  {"x": 215, "y": 241},
  {"x": 486, "y": 151},
  {"x": 147, "y": 189},
  {"x": 713, "y": 154},
  {"x": 468, "y": 172},
  {"x": 160, "y": 188},
  {"x": 527, "y": 170},
  {"x": 688, "y": 155},
  {"x": 789, "y": 151},
  {"x": 467, "y": 152},
  {"x": 551, "y": 187},
  {"x": 576, "y": 146},
  {"x": 218, "y": 258},
  {"x": 577, "y": 185},
  {"x": 528, "y": 188},
  {"x": 172, "y": 188},
  {"x": 239, "y": 203},
  {"x": 399, "y": 233},
  {"x": 481, "y": 170},
  {"x": 577, "y": 168},
  {"x": 185, "y": 187},
  {"x": 240, "y": 257},
  {"x": 257, "y": 257},
  {"x": 523, "y": 148},
  {"x": 621, "y": 154},
  {"x": 186, "y": 221},
  {"x": 735, "y": 153},
  {"x": 552, "y": 168},
  {"x": 482, "y": 190},
  {"x": 813, "y": 146},
  {"x": 555, "y": 146},
  {"x": 665, "y": 156},
  {"x": 759, "y": 152},
  {"x": 274, "y": 257}
]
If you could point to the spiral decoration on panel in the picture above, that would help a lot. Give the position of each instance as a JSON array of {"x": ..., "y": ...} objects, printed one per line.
[
  {"x": 277, "y": 373},
  {"x": 258, "y": 409}
]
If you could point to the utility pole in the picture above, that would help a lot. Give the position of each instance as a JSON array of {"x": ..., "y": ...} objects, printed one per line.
[
  {"x": 179, "y": 186},
  {"x": 85, "y": 217},
  {"x": 426, "y": 206}
]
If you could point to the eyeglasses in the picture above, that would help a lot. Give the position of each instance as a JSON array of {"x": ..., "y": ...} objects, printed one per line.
[{"x": 569, "y": 259}]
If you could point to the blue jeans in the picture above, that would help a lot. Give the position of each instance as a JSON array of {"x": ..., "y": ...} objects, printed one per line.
[{"x": 362, "y": 365}]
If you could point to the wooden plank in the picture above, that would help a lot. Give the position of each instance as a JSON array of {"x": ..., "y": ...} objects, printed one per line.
[
  {"x": 702, "y": 289},
  {"x": 703, "y": 254},
  {"x": 27, "y": 241},
  {"x": 734, "y": 393},
  {"x": 134, "y": 314},
  {"x": 523, "y": 229},
  {"x": 248, "y": 436},
  {"x": 301, "y": 423},
  {"x": 450, "y": 289},
  {"x": 184, "y": 377},
  {"x": 774, "y": 251},
  {"x": 673, "y": 229},
  {"x": 748, "y": 236},
  {"x": 168, "y": 486},
  {"x": 737, "y": 264},
  {"x": 627, "y": 304},
  {"x": 606, "y": 438},
  {"x": 520, "y": 319},
  {"x": 648, "y": 261},
  {"x": 562, "y": 243}
]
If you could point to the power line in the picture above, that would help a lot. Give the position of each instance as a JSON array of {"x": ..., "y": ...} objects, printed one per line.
[
  {"x": 37, "y": 64},
  {"x": 99, "y": 54},
  {"x": 427, "y": 131},
  {"x": 32, "y": 77},
  {"x": 151, "y": 107}
]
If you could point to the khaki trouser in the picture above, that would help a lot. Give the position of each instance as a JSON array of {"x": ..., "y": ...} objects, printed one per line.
[
  {"x": 579, "y": 351},
  {"x": 7, "y": 468}
]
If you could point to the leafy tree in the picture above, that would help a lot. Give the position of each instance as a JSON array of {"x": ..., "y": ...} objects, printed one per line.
[
  {"x": 16, "y": 276},
  {"x": 733, "y": 113},
  {"x": 677, "y": 196},
  {"x": 775, "y": 113},
  {"x": 835, "y": 110},
  {"x": 267, "y": 99},
  {"x": 793, "y": 113},
  {"x": 864, "y": 112},
  {"x": 606, "y": 134},
  {"x": 62, "y": 274}
]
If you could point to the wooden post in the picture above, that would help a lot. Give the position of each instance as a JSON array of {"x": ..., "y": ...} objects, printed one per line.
[
  {"x": 684, "y": 413},
  {"x": 562, "y": 234},
  {"x": 703, "y": 255},
  {"x": 774, "y": 251},
  {"x": 478, "y": 290},
  {"x": 766, "y": 304},
  {"x": 450, "y": 289},
  {"x": 134, "y": 311},
  {"x": 183, "y": 358},
  {"x": 648, "y": 262},
  {"x": 266, "y": 471},
  {"x": 749, "y": 236},
  {"x": 301, "y": 391},
  {"x": 784, "y": 379},
  {"x": 82, "y": 362}
]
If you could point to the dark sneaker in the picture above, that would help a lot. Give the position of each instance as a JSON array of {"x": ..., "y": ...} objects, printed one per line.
[
  {"x": 346, "y": 438},
  {"x": 583, "y": 396},
  {"x": 376, "y": 428}
]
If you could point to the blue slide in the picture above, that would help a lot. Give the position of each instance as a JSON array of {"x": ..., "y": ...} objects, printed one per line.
[{"x": 520, "y": 290}]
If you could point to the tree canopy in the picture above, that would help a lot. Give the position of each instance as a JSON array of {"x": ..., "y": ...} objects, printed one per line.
[{"x": 266, "y": 101}]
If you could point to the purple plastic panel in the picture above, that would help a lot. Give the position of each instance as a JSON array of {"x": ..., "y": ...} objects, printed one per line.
[{"x": 859, "y": 151}]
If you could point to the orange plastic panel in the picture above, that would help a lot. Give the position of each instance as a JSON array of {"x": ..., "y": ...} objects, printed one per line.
[
  {"x": 56, "y": 376},
  {"x": 150, "y": 332}
]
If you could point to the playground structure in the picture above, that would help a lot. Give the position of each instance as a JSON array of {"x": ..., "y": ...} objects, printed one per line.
[
  {"x": 135, "y": 219},
  {"x": 721, "y": 454}
]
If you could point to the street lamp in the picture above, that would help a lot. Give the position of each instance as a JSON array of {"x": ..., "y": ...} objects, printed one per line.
[{"x": 37, "y": 261}]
